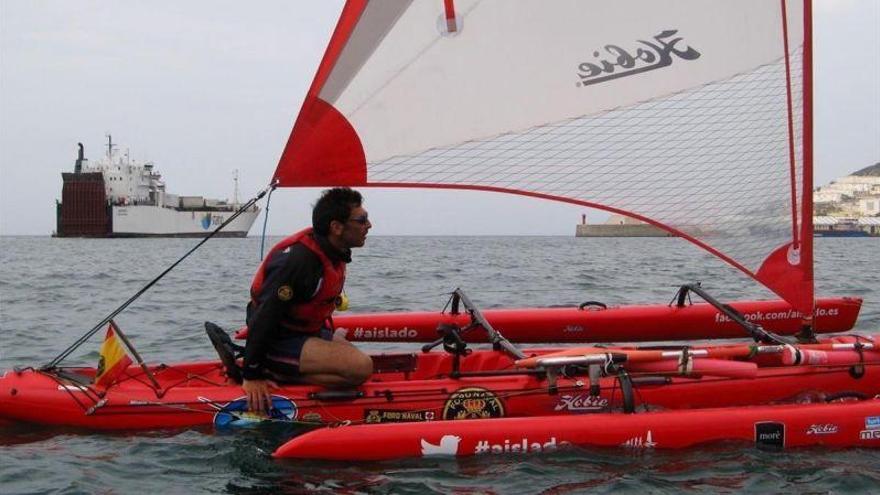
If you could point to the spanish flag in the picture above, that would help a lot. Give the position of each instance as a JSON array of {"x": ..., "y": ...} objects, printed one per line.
[{"x": 113, "y": 359}]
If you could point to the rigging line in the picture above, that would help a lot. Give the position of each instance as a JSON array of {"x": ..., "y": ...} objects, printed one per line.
[
  {"x": 107, "y": 411},
  {"x": 118, "y": 409},
  {"x": 426, "y": 295},
  {"x": 795, "y": 233},
  {"x": 570, "y": 289},
  {"x": 266, "y": 220},
  {"x": 419, "y": 396},
  {"x": 501, "y": 395},
  {"x": 85, "y": 390},
  {"x": 516, "y": 291},
  {"x": 153, "y": 282},
  {"x": 492, "y": 291}
]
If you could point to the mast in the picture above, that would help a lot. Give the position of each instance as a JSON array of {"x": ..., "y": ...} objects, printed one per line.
[
  {"x": 807, "y": 186},
  {"x": 79, "y": 159},
  {"x": 109, "y": 148},
  {"x": 235, "y": 189}
]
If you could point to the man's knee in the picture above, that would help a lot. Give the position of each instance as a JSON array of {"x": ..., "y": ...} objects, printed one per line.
[
  {"x": 342, "y": 360},
  {"x": 360, "y": 369}
]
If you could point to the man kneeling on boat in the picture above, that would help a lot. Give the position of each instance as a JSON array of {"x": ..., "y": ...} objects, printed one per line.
[{"x": 293, "y": 296}]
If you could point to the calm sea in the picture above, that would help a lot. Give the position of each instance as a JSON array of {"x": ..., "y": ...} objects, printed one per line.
[{"x": 53, "y": 290}]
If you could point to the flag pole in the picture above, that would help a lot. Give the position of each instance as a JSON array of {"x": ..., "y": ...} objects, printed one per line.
[{"x": 137, "y": 357}]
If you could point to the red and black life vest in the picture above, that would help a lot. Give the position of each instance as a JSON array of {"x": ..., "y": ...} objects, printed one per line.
[{"x": 310, "y": 316}]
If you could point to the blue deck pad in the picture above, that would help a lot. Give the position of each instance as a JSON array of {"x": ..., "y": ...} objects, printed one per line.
[{"x": 236, "y": 414}]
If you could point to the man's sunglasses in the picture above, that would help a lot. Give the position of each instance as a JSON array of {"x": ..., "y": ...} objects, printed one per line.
[{"x": 363, "y": 219}]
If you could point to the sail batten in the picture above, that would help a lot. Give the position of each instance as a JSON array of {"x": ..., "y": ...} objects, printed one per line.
[{"x": 689, "y": 115}]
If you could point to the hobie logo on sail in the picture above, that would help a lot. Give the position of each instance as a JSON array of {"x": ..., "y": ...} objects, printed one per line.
[{"x": 617, "y": 62}]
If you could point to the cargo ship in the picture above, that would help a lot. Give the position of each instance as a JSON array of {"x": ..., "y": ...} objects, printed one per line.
[{"x": 120, "y": 197}]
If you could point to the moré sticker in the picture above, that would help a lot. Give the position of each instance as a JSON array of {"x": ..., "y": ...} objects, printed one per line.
[
  {"x": 869, "y": 435},
  {"x": 770, "y": 435}
]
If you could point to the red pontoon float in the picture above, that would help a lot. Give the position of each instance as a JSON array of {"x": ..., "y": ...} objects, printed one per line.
[
  {"x": 595, "y": 323},
  {"x": 776, "y": 427}
]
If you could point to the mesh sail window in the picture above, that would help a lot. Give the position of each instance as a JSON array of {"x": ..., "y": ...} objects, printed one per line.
[{"x": 691, "y": 115}]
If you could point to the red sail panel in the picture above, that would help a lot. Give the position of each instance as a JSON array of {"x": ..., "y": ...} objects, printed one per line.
[
  {"x": 323, "y": 148},
  {"x": 321, "y": 138},
  {"x": 325, "y": 151}
]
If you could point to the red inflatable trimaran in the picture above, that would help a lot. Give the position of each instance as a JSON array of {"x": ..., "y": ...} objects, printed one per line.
[
  {"x": 461, "y": 384},
  {"x": 664, "y": 117},
  {"x": 598, "y": 323}
]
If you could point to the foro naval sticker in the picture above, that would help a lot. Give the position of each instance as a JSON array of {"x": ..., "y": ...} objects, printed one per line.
[{"x": 396, "y": 416}]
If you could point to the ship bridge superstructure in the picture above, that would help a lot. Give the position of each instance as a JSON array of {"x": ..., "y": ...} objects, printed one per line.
[{"x": 128, "y": 181}]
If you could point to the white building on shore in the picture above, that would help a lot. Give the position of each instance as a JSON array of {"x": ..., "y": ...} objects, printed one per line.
[
  {"x": 870, "y": 205},
  {"x": 856, "y": 195}
]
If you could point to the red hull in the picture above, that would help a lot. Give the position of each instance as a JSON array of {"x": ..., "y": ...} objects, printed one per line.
[
  {"x": 415, "y": 387},
  {"x": 637, "y": 323},
  {"x": 842, "y": 424}
]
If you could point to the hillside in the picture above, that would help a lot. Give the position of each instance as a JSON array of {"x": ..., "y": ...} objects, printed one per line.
[{"x": 869, "y": 171}]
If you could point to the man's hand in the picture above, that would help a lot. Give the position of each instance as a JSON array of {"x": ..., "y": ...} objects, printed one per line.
[{"x": 259, "y": 398}]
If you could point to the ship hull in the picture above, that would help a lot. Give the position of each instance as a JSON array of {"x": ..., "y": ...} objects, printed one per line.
[
  {"x": 841, "y": 233},
  {"x": 153, "y": 221},
  {"x": 182, "y": 235}
]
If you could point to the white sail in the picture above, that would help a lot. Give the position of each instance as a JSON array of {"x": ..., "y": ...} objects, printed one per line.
[{"x": 688, "y": 114}]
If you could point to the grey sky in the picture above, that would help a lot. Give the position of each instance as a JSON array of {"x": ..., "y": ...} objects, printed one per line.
[{"x": 205, "y": 87}]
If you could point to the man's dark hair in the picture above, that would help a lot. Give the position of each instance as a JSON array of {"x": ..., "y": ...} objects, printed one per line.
[{"x": 334, "y": 204}]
